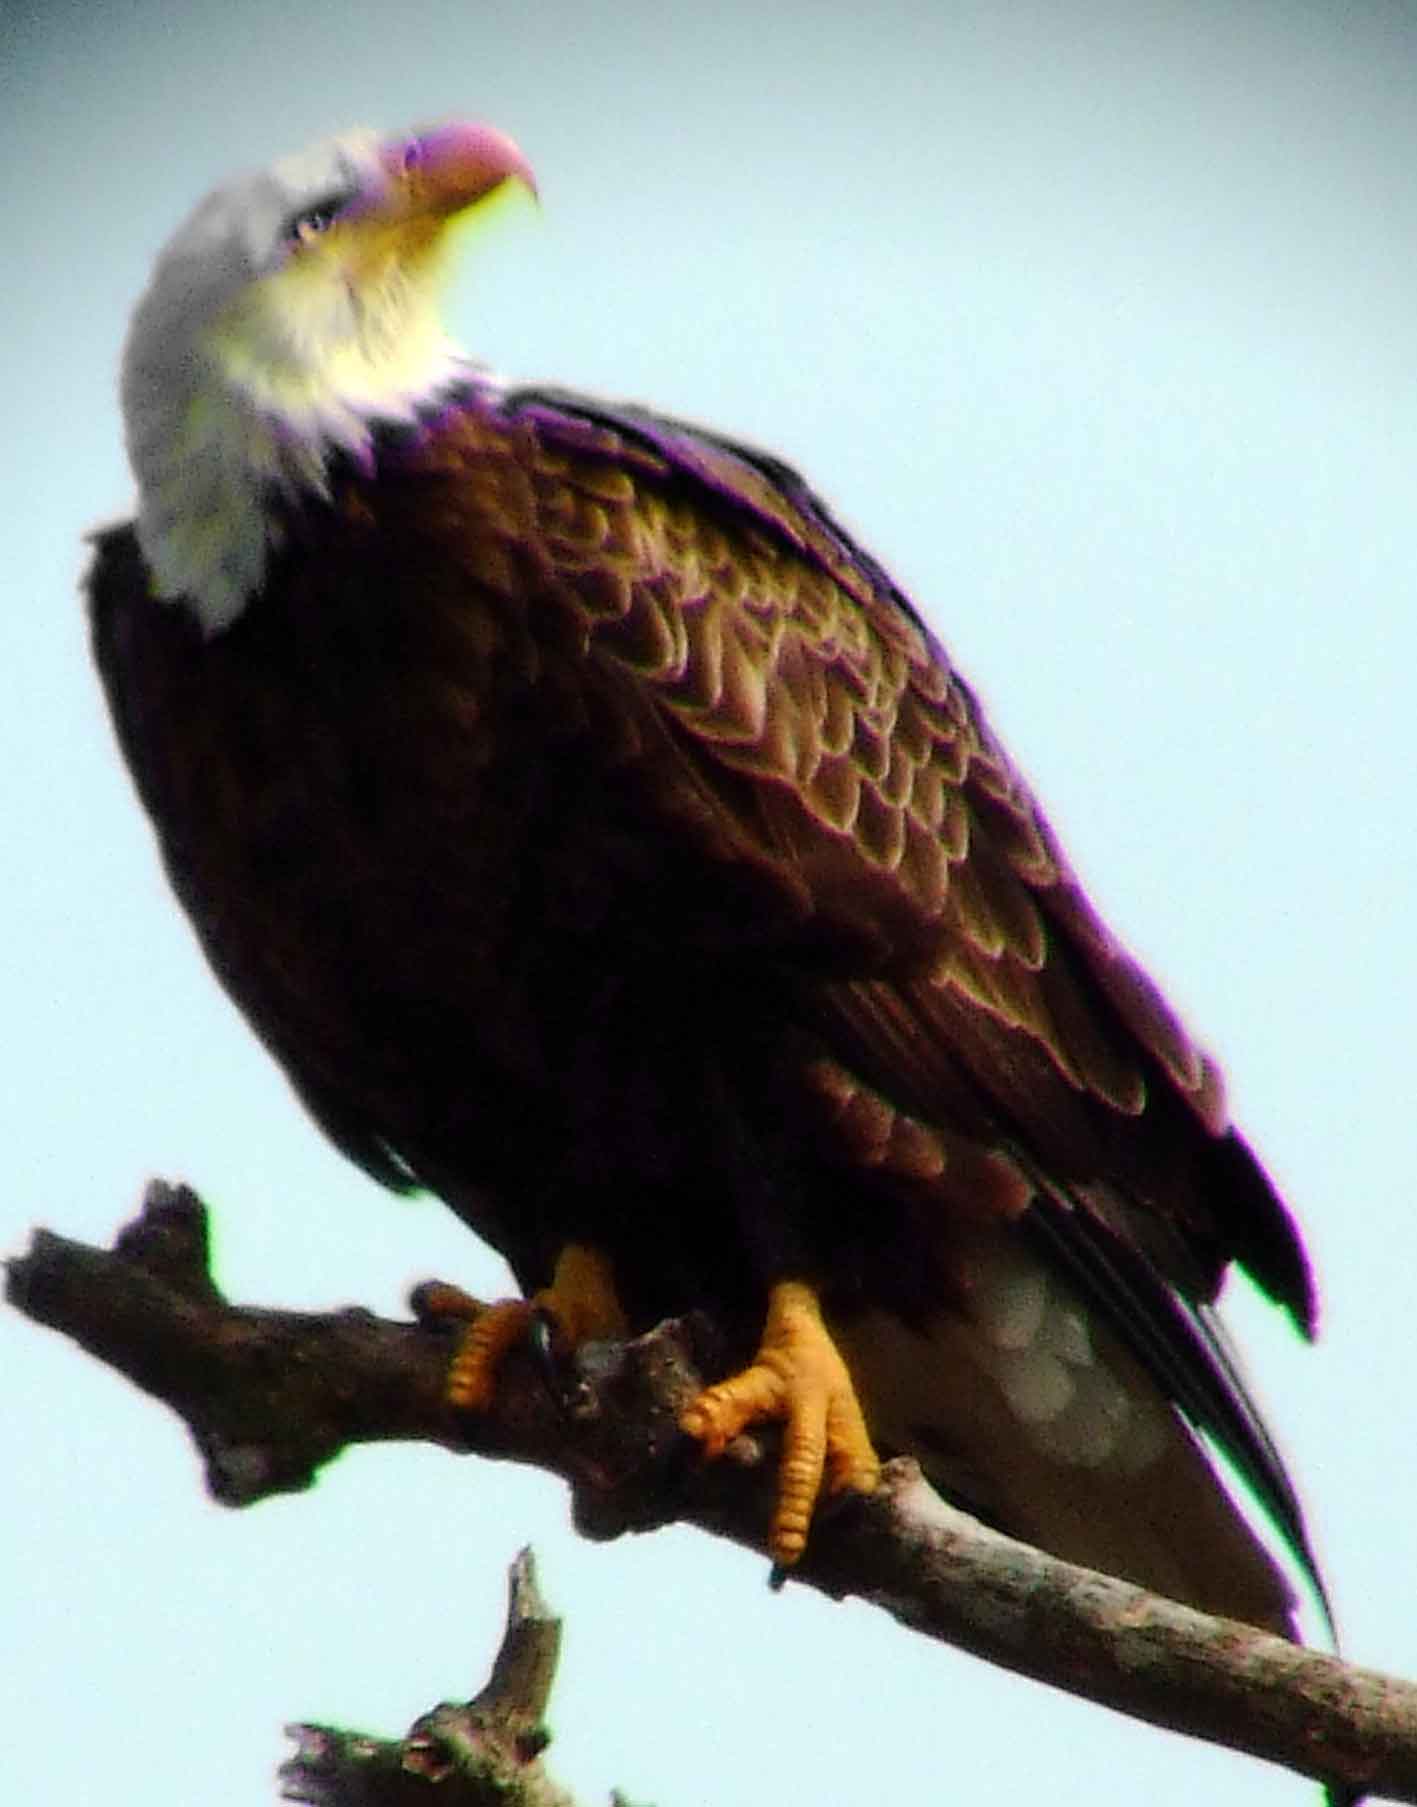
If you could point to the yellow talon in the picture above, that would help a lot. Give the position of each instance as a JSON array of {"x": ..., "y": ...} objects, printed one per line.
[
  {"x": 472, "y": 1373},
  {"x": 581, "y": 1302},
  {"x": 799, "y": 1378}
]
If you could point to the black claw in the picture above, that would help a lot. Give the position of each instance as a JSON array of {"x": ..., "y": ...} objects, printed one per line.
[
  {"x": 777, "y": 1576},
  {"x": 566, "y": 1389},
  {"x": 541, "y": 1334}
]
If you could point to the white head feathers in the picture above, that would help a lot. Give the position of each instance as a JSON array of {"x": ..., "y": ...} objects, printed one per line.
[{"x": 293, "y": 309}]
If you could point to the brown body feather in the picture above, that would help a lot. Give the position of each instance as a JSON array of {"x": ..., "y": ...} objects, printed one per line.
[{"x": 595, "y": 836}]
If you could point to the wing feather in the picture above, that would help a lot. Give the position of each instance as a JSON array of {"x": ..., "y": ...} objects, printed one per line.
[{"x": 999, "y": 1008}]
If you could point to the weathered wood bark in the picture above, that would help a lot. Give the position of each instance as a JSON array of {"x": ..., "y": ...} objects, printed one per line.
[
  {"x": 269, "y": 1396},
  {"x": 485, "y": 1752}
]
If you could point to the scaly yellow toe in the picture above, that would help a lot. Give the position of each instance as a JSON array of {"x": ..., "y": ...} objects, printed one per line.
[
  {"x": 581, "y": 1302},
  {"x": 800, "y": 1380}
]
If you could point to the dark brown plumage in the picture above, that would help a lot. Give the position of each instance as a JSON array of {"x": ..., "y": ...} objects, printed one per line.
[{"x": 596, "y": 836}]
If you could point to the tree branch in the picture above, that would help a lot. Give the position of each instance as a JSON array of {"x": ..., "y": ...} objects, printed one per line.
[
  {"x": 484, "y": 1753},
  {"x": 269, "y": 1396}
]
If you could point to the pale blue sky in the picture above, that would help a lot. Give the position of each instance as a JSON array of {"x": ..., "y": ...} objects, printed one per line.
[{"x": 1097, "y": 322}]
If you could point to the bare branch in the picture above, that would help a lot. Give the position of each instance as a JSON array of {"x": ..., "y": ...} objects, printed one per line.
[
  {"x": 484, "y": 1753},
  {"x": 269, "y": 1396}
]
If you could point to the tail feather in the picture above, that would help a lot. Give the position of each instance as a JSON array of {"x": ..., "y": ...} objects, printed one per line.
[
  {"x": 1026, "y": 1408},
  {"x": 1186, "y": 1351}
]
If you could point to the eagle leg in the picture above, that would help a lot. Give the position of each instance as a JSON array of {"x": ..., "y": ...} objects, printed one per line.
[
  {"x": 798, "y": 1377},
  {"x": 581, "y": 1304}
]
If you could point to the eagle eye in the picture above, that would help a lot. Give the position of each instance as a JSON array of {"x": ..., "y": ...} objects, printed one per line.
[{"x": 310, "y": 222}]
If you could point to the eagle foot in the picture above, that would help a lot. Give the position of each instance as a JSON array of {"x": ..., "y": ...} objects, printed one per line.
[
  {"x": 798, "y": 1378},
  {"x": 579, "y": 1305}
]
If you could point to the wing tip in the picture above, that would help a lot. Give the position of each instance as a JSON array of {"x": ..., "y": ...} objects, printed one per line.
[{"x": 1264, "y": 1236}]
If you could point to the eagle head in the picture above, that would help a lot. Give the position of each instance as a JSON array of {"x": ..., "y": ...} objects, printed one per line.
[{"x": 294, "y": 309}]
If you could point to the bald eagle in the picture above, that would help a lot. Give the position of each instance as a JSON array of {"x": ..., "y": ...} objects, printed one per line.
[{"x": 598, "y": 837}]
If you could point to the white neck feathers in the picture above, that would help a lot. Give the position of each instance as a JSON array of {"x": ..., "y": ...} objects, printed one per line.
[{"x": 216, "y": 437}]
